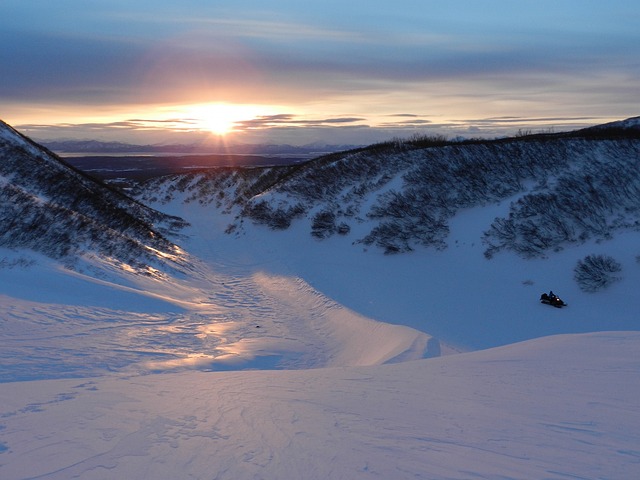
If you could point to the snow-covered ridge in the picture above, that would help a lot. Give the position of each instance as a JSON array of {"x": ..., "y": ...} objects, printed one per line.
[
  {"x": 399, "y": 198},
  {"x": 632, "y": 123},
  {"x": 52, "y": 208}
]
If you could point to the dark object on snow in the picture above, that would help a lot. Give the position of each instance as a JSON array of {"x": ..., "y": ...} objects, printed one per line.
[{"x": 552, "y": 299}]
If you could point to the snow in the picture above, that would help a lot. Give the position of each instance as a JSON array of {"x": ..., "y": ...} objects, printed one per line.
[
  {"x": 558, "y": 407},
  {"x": 282, "y": 356},
  {"x": 633, "y": 122}
]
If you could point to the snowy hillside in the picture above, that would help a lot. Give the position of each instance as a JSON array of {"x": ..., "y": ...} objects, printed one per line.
[
  {"x": 403, "y": 196},
  {"x": 485, "y": 227},
  {"x": 307, "y": 352},
  {"x": 47, "y": 206},
  {"x": 627, "y": 127}
]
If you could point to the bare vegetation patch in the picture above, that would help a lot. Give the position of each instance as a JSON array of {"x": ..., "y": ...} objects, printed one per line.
[{"x": 596, "y": 272}]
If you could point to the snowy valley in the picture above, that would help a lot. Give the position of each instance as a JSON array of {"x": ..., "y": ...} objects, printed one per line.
[{"x": 368, "y": 314}]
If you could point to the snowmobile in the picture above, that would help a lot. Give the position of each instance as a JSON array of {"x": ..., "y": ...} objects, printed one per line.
[{"x": 552, "y": 299}]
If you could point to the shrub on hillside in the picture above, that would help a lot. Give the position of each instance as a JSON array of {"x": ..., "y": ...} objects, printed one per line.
[
  {"x": 595, "y": 272},
  {"x": 592, "y": 202},
  {"x": 323, "y": 224},
  {"x": 343, "y": 228},
  {"x": 276, "y": 218}
]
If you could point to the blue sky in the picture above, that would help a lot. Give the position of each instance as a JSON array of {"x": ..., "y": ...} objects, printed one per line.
[{"x": 326, "y": 71}]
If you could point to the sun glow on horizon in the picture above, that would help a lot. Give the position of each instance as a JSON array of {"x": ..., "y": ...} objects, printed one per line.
[{"x": 223, "y": 118}]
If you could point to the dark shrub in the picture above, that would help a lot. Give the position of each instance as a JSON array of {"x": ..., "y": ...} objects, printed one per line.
[
  {"x": 595, "y": 272},
  {"x": 324, "y": 224}
]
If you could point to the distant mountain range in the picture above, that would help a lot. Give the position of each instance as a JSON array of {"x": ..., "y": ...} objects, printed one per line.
[
  {"x": 212, "y": 147},
  {"x": 125, "y": 164}
]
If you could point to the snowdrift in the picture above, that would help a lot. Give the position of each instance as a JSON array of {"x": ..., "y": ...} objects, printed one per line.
[{"x": 556, "y": 407}]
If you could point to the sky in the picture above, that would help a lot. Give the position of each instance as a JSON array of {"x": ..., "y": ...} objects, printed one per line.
[{"x": 333, "y": 72}]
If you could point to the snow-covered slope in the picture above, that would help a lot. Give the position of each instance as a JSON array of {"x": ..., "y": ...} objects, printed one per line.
[
  {"x": 403, "y": 196},
  {"x": 48, "y": 207},
  {"x": 108, "y": 317},
  {"x": 553, "y": 408},
  {"x": 629, "y": 126},
  {"x": 59, "y": 323},
  {"x": 111, "y": 374},
  {"x": 490, "y": 226}
]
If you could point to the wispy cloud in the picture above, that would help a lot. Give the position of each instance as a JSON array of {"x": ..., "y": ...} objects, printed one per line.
[
  {"x": 290, "y": 120},
  {"x": 528, "y": 120}
]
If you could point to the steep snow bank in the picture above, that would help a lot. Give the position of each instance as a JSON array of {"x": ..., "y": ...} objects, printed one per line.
[
  {"x": 57, "y": 323},
  {"x": 351, "y": 338}
]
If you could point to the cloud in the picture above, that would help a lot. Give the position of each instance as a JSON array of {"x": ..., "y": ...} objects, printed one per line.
[
  {"x": 407, "y": 123},
  {"x": 528, "y": 120},
  {"x": 292, "y": 129},
  {"x": 290, "y": 120},
  {"x": 547, "y": 63},
  {"x": 282, "y": 60}
]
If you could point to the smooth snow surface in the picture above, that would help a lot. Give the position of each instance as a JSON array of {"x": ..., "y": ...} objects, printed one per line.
[
  {"x": 456, "y": 295},
  {"x": 277, "y": 356},
  {"x": 59, "y": 324},
  {"x": 554, "y": 408}
]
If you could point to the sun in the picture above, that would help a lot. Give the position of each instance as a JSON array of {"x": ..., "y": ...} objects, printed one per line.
[
  {"x": 223, "y": 118},
  {"x": 217, "y": 118},
  {"x": 218, "y": 124}
]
